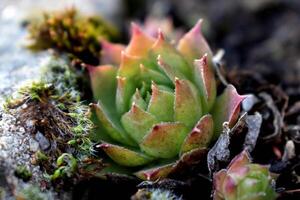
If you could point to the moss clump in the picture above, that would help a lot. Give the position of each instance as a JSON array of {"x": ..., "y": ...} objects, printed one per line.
[
  {"x": 23, "y": 173},
  {"x": 54, "y": 109},
  {"x": 70, "y": 32},
  {"x": 31, "y": 193}
]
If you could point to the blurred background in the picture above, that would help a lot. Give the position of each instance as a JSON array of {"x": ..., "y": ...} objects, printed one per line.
[{"x": 258, "y": 34}]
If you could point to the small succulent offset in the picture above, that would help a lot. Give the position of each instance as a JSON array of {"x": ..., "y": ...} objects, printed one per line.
[
  {"x": 243, "y": 180},
  {"x": 159, "y": 107}
]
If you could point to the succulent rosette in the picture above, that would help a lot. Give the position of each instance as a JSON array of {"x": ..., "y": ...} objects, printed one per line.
[
  {"x": 157, "y": 102},
  {"x": 243, "y": 180}
]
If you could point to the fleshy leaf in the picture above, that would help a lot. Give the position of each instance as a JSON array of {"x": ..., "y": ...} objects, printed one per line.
[
  {"x": 137, "y": 122},
  {"x": 193, "y": 45},
  {"x": 153, "y": 174},
  {"x": 129, "y": 67},
  {"x": 124, "y": 156},
  {"x": 164, "y": 140},
  {"x": 152, "y": 75},
  {"x": 103, "y": 81},
  {"x": 237, "y": 162},
  {"x": 110, "y": 125},
  {"x": 168, "y": 70},
  {"x": 138, "y": 100},
  {"x": 226, "y": 109},
  {"x": 171, "y": 58},
  {"x": 187, "y": 103},
  {"x": 229, "y": 188},
  {"x": 125, "y": 90},
  {"x": 219, "y": 178},
  {"x": 200, "y": 136},
  {"x": 205, "y": 80},
  {"x": 161, "y": 104},
  {"x": 111, "y": 53},
  {"x": 140, "y": 43}
]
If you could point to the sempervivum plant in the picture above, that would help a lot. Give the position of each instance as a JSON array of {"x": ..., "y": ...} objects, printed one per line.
[
  {"x": 157, "y": 102},
  {"x": 243, "y": 180}
]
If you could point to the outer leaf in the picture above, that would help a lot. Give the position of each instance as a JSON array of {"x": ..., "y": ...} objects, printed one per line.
[
  {"x": 187, "y": 103},
  {"x": 110, "y": 125},
  {"x": 171, "y": 57},
  {"x": 129, "y": 67},
  {"x": 200, "y": 136},
  {"x": 124, "y": 156},
  {"x": 226, "y": 109},
  {"x": 111, "y": 53},
  {"x": 205, "y": 80},
  {"x": 138, "y": 122},
  {"x": 153, "y": 174},
  {"x": 161, "y": 104},
  {"x": 140, "y": 43},
  {"x": 193, "y": 45},
  {"x": 103, "y": 81},
  {"x": 164, "y": 140}
]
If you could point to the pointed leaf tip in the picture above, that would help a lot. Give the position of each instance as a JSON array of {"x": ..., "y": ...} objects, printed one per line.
[
  {"x": 156, "y": 173},
  {"x": 226, "y": 108},
  {"x": 193, "y": 44},
  {"x": 124, "y": 156},
  {"x": 140, "y": 42},
  {"x": 239, "y": 161},
  {"x": 200, "y": 136},
  {"x": 111, "y": 53},
  {"x": 164, "y": 140},
  {"x": 205, "y": 80}
]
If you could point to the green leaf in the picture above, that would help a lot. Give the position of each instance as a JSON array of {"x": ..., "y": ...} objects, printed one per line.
[
  {"x": 226, "y": 109},
  {"x": 124, "y": 156},
  {"x": 137, "y": 122},
  {"x": 200, "y": 136},
  {"x": 171, "y": 58},
  {"x": 155, "y": 173},
  {"x": 103, "y": 81},
  {"x": 110, "y": 125},
  {"x": 187, "y": 103},
  {"x": 138, "y": 100},
  {"x": 205, "y": 80},
  {"x": 125, "y": 90},
  {"x": 164, "y": 140},
  {"x": 152, "y": 75},
  {"x": 161, "y": 104}
]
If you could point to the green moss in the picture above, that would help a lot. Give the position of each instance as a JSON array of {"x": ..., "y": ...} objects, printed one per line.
[
  {"x": 23, "y": 173},
  {"x": 32, "y": 193},
  {"x": 70, "y": 32},
  {"x": 41, "y": 157}
]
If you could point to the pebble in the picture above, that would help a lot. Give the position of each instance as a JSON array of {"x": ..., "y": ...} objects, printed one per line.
[
  {"x": 33, "y": 145},
  {"x": 42, "y": 140}
]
